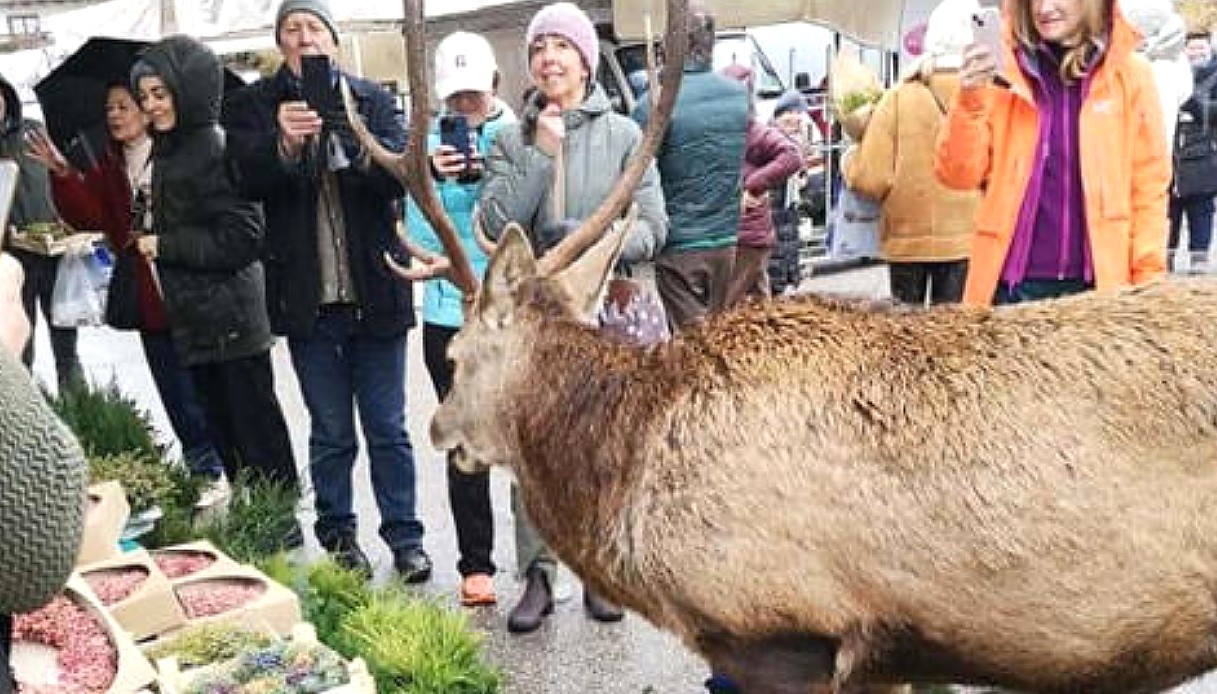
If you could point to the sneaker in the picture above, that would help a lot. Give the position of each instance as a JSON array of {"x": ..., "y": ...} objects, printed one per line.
[
  {"x": 477, "y": 590},
  {"x": 412, "y": 564},
  {"x": 216, "y": 493}
]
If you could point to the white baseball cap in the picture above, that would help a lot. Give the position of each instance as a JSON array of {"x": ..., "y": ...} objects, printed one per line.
[{"x": 464, "y": 62}]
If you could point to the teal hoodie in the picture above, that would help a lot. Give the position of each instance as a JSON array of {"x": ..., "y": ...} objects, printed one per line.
[{"x": 441, "y": 299}]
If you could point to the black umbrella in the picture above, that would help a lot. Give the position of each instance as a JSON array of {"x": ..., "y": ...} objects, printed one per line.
[{"x": 73, "y": 95}]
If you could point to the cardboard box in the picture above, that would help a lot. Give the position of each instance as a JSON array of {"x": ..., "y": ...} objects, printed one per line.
[
  {"x": 134, "y": 673},
  {"x": 173, "y": 680},
  {"x": 53, "y": 244},
  {"x": 152, "y": 608},
  {"x": 277, "y": 606},
  {"x": 105, "y": 518}
]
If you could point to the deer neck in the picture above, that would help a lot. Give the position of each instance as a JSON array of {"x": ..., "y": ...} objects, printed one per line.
[{"x": 581, "y": 412}]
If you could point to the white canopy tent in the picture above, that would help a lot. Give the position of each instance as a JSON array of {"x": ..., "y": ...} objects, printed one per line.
[{"x": 875, "y": 22}]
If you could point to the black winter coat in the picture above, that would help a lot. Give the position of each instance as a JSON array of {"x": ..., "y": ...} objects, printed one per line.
[
  {"x": 1195, "y": 155},
  {"x": 208, "y": 237},
  {"x": 289, "y": 194}
]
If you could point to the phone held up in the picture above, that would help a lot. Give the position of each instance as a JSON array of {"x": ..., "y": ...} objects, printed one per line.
[
  {"x": 317, "y": 85},
  {"x": 987, "y": 30},
  {"x": 454, "y": 131}
]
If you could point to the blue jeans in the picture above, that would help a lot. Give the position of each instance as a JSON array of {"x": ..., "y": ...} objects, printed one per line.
[
  {"x": 338, "y": 368},
  {"x": 175, "y": 384}
]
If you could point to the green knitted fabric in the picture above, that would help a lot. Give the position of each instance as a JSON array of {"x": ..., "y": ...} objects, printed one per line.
[{"x": 42, "y": 493}]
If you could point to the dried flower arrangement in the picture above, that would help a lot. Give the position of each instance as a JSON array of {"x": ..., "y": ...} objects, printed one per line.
[
  {"x": 216, "y": 596},
  {"x": 112, "y": 586},
  {"x": 86, "y": 657},
  {"x": 211, "y": 642},
  {"x": 176, "y": 563},
  {"x": 281, "y": 668}
]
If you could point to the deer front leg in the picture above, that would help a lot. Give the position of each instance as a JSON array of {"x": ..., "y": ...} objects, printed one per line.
[{"x": 782, "y": 664}]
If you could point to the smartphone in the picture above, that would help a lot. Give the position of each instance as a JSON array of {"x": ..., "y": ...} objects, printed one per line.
[
  {"x": 317, "y": 85},
  {"x": 454, "y": 132},
  {"x": 987, "y": 30}
]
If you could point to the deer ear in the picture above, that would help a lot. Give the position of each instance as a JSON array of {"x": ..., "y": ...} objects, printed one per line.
[
  {"x": 511, "y": 264},
  {"x": 584, "y": 280}
]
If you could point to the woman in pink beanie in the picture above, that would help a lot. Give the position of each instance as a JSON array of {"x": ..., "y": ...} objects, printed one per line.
[{"x": 568, "y": 118}]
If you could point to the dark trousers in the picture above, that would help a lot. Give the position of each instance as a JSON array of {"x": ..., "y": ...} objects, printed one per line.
[
  {"x": 6, "y": 647},
  {"x": 1199, "y": 211},
  {"x": 693, "y": 284},
  {"x": 238, "y": 397},
  {"x": 175, "y": 385},
  {"x": 1037, "y": 290},
  {"x": 942, "y": 282},
  {"x": 40, "y": 271},
  {"x": 468, "y": 494}
]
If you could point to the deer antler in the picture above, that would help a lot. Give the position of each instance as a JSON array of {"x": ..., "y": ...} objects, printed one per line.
[{"x": 412, "y": 167}]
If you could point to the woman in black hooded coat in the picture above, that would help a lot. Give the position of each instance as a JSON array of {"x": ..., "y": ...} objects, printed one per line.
[{"x": 205, "y": 242}]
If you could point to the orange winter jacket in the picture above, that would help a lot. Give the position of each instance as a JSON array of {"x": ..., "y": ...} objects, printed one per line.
[{"x": 990, "y": 138}]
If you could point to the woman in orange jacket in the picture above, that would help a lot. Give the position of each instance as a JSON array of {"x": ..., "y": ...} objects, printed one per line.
[{"x": 1067, "y": 142}]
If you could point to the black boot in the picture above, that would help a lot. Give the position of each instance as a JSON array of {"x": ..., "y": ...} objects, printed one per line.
[
  {"x": 345, "y": 552},
  {"x": 536, "y": 602},
  {"x": 600, "y": 608}
]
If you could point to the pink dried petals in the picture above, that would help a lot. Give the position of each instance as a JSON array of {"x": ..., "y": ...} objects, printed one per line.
[
  {"x": 87, "y": 658},
  {"x": 114, "y": 585},
  {"x": 178, "y": 563},
  {"x": 217, "y": 596}
]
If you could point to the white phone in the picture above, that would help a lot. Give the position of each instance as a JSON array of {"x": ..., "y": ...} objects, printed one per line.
[{"x": 987, "y": 30}]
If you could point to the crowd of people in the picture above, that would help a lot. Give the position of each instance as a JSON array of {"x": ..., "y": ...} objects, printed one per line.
[{"x": 1060, "y": 162}]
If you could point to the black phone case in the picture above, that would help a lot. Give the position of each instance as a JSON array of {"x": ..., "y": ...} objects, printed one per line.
[{"x": 315, "y": 84}]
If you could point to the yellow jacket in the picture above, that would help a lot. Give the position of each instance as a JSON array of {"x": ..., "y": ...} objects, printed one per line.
[
  {"x": 990, "y": 138},
  {"x": 922, "y": 220}
]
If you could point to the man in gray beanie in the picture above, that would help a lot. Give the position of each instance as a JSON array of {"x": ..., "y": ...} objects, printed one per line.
[
  {"x": 330, "y": 218},
  {"x": 318, "y": 8}
]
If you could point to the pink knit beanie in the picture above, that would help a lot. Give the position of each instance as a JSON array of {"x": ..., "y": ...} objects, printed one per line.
[{"x": 568, "y": 21}]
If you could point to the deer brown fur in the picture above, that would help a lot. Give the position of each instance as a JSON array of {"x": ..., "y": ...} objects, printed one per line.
[{"x": 821, "y": 493}]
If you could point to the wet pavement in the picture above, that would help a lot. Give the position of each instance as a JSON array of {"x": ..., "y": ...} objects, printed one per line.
[{"x": 570, "y": 654}]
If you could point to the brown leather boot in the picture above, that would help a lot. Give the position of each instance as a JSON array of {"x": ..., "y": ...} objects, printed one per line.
[
  {"x": 601, "y": 609},
  {"x": 536, "y": 602}
]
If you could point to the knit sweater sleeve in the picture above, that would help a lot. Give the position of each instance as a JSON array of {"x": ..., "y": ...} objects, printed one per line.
[{"x": 42, "y": 493}]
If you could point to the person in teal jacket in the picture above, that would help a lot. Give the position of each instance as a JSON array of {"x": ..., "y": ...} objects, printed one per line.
[
  {"x": 700, "y": 165},
  {"x": 466, "y": 78}
]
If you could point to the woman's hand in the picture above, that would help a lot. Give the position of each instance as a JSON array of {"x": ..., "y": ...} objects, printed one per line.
[
  {"x": 551, "y": 130},
  {"x": 44, "y": 151},
  {"x": 147, "y": 246},
  {"x": 448, "y": 161},
  {"x": 979, "y": 67}
]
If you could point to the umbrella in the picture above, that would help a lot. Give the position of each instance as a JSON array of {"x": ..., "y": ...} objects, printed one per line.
[{"x": 73, "y": 95}]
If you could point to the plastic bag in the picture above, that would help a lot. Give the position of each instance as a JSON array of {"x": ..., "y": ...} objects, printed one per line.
[
  {"x": 854, "y": 89},
  {"x": 79, "y": 297},
  {"x": 855, "y": 232}
]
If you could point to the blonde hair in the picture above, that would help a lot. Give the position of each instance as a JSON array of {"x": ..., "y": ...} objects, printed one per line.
[{"x": 1095, "y": 26}]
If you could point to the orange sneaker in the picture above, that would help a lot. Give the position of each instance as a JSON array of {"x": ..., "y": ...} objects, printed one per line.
[{"x": 477, "y": 589}]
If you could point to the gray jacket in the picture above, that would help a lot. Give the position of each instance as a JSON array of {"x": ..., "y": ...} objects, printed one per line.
[{"x": 599, "y": 142}]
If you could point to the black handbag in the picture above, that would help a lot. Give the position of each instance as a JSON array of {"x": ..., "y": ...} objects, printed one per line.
[{"x": 122, "y": 298}]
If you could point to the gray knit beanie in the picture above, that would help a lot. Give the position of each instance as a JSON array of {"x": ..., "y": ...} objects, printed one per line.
[{"x": 320, "y": 8}]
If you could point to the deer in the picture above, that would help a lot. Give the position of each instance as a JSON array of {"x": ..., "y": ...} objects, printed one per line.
[{"x": 825, "y": 495}]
